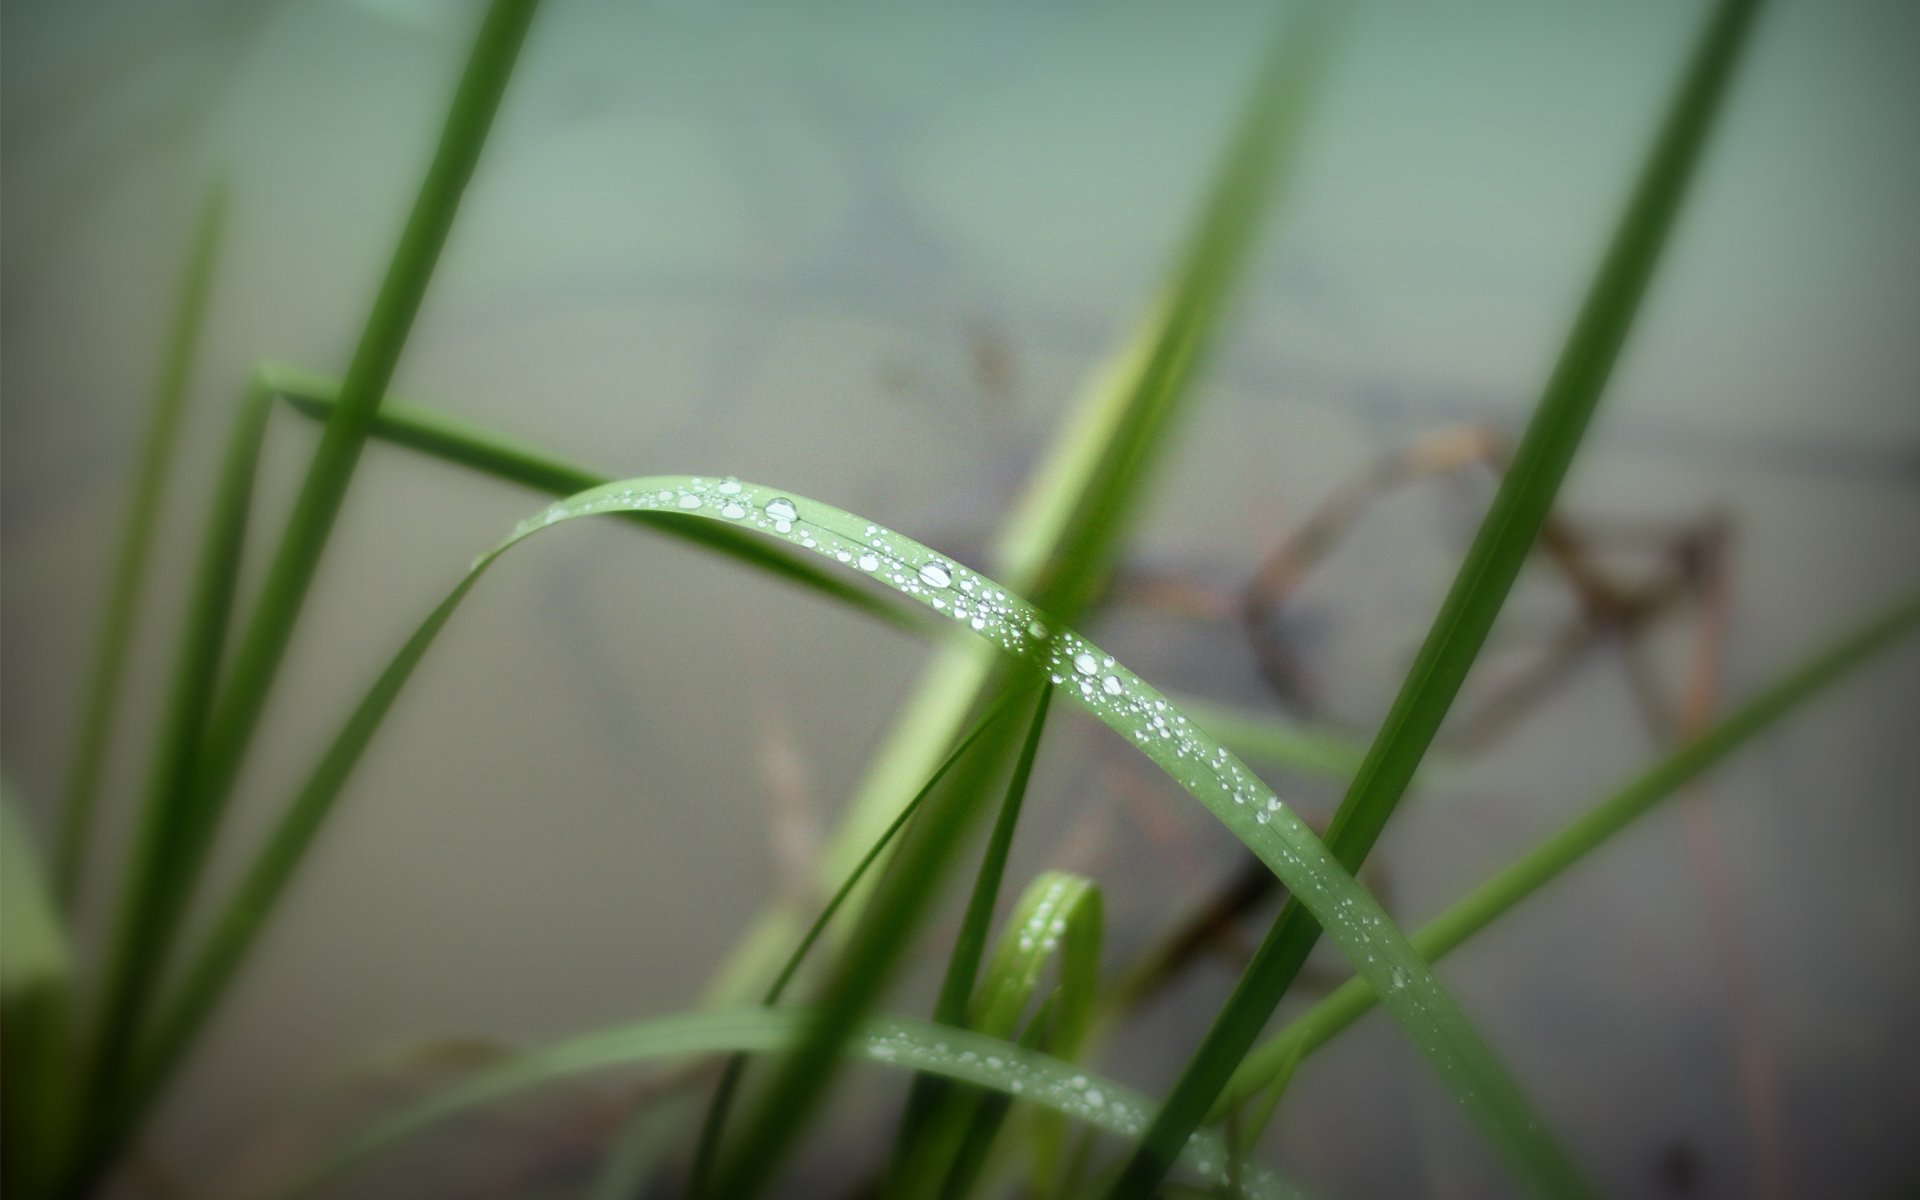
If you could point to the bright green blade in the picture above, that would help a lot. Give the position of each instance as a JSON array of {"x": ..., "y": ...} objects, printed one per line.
[
  {"x": 1492, "y": 563},
  {"x": 36, "y": 985},
  {"x": 961, "y": 1055},
  {"x": 1532, "y": 871},
  {"x": 136, "y": 543}
]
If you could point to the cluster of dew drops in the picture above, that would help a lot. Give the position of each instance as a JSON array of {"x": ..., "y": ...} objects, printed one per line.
[{"x": 1090, "y": 675}]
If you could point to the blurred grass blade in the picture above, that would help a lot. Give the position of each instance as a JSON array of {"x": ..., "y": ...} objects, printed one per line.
[
  {"x": 1133, "y": 709},
  {"x": 970, "y": 944},
  {"x": 1502, "y": 544},
  {"x": 902, "y": 1042},
  {"x": 163, "y": 876},
  {"x": 713, "y": 1128},
  {"x": 36, "y": 983},
  {"x": 136, "y": 543},
  {"x": 1535, "y": 869},
  {"x": 1060, "y": 543},
  {"x": 452, "y": 440}
]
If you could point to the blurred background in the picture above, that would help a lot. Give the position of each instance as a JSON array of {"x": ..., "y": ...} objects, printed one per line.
[{"x": 873, "y": 253}]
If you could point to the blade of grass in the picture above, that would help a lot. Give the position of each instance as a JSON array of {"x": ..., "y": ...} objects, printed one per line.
[
  {"x": 462, "y": 443},
  {"x": 1505, "y": 538},
  {"x": 1059, "y": 545},
  {"x": 136, "y": 544},
  {"x": 1204, "y": 768},
  {"x": 713, "y": 1128},
  {"x": 36, "y": 985},
  {"x": 1264, "y": 1067},
  {"x": 969, "y": 946},
  {"x": 164, "y": 872},
  {"x": 902, "y": 1042}
]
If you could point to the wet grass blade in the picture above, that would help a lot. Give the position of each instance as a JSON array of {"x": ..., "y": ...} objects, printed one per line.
[
  {"x": 901, "y": 1042},
  {"x": 970, "y": 944},
  {"x": 1265, "y": 1066},
  {"x": 161, "y": 881},
  {"x": 136, "y": 543},
  {"x": 439, "y": 435},
  {"x": 1133, "y": 709},
  {"x": 1060, "y": 543},
  {"x": 1493, "y": 561}
]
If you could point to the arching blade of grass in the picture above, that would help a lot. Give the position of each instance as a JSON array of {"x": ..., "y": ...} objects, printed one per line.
[
  {"x": 160, "y": 887},
  {"x": 963, "y": 960},
  {"x": 713, "y": 1128},
  {"x": 1504, "y": 540},
  {"x": 36, "y": 985},
  {"x": 1106, "y": 688},
  {"x": 1159, "y": 730},
  {"x": 1059, "y": 545},
  {"x": 1059, "y": 915},
  {"x": 903, "y": 1042},
  {"x": 462, "y": 443},
  {"x": 1539, "y": 866},
  {"x": 136, "y": 541},
  {"x": 1264, "y": 738}
]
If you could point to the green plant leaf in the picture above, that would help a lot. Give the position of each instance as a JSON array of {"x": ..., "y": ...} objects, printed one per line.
[
  {"x": 136, "y": 541},
  {"x": 36, "y": 985},
  {"x": 1269, "y": 1063},
  {"x": 1499, "y": 548},
  {"x": 902, "y": 1042}
]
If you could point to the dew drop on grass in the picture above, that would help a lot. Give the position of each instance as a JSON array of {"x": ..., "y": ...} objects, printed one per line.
[
  {"x": 869, "y": 562},
  {"x": 782, "y": 509},
  {"x": 1085, "y": 663},
  {"x": 730, "y": 488},
  {"x": 934, "y": 573},
  {"x": 1112, "y": 685},
  {"x": 1399, "y": 977},
  {"x": 689, "y": 501},
  {"x": 733, "y": 512}
]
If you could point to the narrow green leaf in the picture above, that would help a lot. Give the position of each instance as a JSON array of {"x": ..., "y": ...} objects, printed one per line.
[
  {"x": 969, "y": 945},
  {"x": 1502, "y": 544},
  {"x": 440, "y": 435},
  {"x": 902, "y": 1042},
  {"x": 1266, "y": 1065},
  {"x": 159, "y": 889},
  {"x": 1060, "y": 543},
  {"x": 136, "y": 542},
  {"x": 1264, "y": 738}
]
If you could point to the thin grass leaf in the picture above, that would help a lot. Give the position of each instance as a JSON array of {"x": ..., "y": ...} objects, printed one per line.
[
  {"x": 1267, "y": 1064},
  {"x": 36, "y": 986},
  {"x": 902, "y": 1042},
  {"x": 1287, "y": 744},
  {"x": 1505, "y": 538},
  {"x": 969, "y": 945},
  {"x": 136, "y": 543},
  {"x": 1058, "y": 917},
  {"x": 1137, "y": 712},
  {"x": 440, "y": 435},
  {"x": 713, "y": 1127},
  {"x": 1060, "y": 543},
  {"x": 164, "y": 873}
]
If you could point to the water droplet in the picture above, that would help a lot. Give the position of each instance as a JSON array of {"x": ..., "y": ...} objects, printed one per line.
[
  {"x": 730, "y": 488},
  {"x": 782, "y": 509},
  {"x": 869, "y": 562},
  {"x": 689, "y": 500},
  {"x": 934, "y": 573},
  {"x": 1111, "y": 685},
  {"x": 1399, "y": 977},
  {"x": 1085, "y": 663},
  {"x": 733, "y": 512}
]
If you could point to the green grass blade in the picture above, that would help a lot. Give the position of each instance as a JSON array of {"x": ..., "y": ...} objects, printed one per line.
[
  {"x": 713, "y": 1128},
  {"x": 462, "y": 443},
  {"x": 1539, "y": 866},
  {"x": 1142, "y": 715},
  {"x": 901, "y": 1042},
  {"x": 1258, "y": 736},
  {"x": 970, "y": 944},
  {"x": 36, "y": 985},
  {"x": 1504, "y": 540},
  {"x": 136, "y": 543},
  {"x": 160, "y": 889},
  {"x": 1059, "y": 545}
]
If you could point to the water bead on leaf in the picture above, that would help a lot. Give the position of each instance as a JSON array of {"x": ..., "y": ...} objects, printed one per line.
[{"x": 934, "y": 573}]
